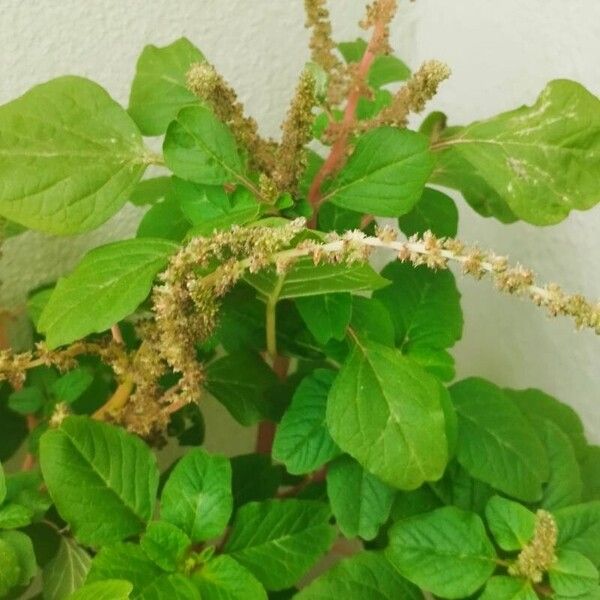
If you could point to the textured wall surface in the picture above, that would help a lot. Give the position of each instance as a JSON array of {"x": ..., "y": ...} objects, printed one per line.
[{"x": 501, "y": 53}]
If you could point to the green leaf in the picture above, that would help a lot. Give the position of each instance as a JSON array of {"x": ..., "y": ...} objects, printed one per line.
[
  {"x": 360, "y": 502},
  {"x": 36, "y": 303},
  {"x": 164, "y": 220},
  {"x": 508, "y": 588},
  {"x": 415, "y": 502},
  {"x": 67, "y": 571},
  {"x": 367, "y": 575},
  {"x": 108, "y": 284},
  {"x": 210, "y": 207},
  {"x": 26, "y": 400},
  {"x": 165, "y": 544},
  {"x": 385, "y": 175},
  {"x": 254, "y": 477},
  {"x": 102, "y": 480},
  {"x": 197, "y": 496},
  {"x": 278, "y": 541},
  {"x": 71, "y": 385},
  {"x": 590, "y": 474},
  {"x": 435, "y": 211},
  {"x": 159, "y": 89},
  {"x": 371, "y": 320},
  {"x": 496, "y": 443},
  {"x": 199, "y": 148},
  {"x": 424, "y": 305},
  {"x": 307, "y": 279},
  {"x": 564, "y": 485},
  {"x": 535, "y": 404},
  {"x": 446, "y": 552},
  {"x": 437, "y": 361},
  {"x": 387, "y": 69},
  {"x": 511, "y": 524},
  {"x": 13, "y": 516},
  {"x": 539, "y": 159},
  {"x": 22, "y": 547},
  {"x": 150, "y": 191},
  {"x": 2, "y": 484},
  {"x": 302, "y": 440},
  {"x": 10, "y": 569},
  {"x": 240, "y": 382},
  {"x": 385, "y": 411},
  {"x": 326, "y": 316},
  {"x": 104, "y": 590},
  {"x": 223, "y": 578},
  {"x": 579, "y": 529},
  {"x": 572, "y": 574},
  {"x": 173, "y": 587},
  {"x": 352, "y": 51},
  {"x": 69, "y": 157}
]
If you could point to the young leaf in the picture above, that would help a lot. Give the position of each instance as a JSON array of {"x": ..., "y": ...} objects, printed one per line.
[
  {"x": 385, "y": 175},
  {"x": 150, "y": 191},
  {"x": 71, "y": 385},
  {"x": 240, "y": 382},
  {"x": 502, "y": 587},
  {"x": 159, "y": 89},
  {"x": 360, "y": 502},
  {"x": 174, "y": 586},
  {"x": 572, "y": 574},
  {"x": 352, "y": 51},
  {"x": 446, "y": 552},
  {"x": 223, "y": 578},
  {"x": 104, "y": 590},
  {"x": 365, "y": 575},
  {"x": 579, "y": 529},
  {"x": 10, "y": 569},
  {"x": 302, "y": 440},
  {"x": 200, "y": 148},
  {"x": 435, "y": 211},
  {"x": 108, "y": 284},
  {"x": 539, "y": 158},
  {"x": 511, "y": 524},
  {"x": 278, "y": 541},
  {"x": 326, "y": 316},
  {"x": 496, "y": 443},
  {"x": 387, "y": 69},
  {"x": 21, "y": 546},
  {"x": 564, "y": 485},
  {"x": 197, "y": 496},
  {"x": 13, "y": 516},
  {"x": 67, "y": 571},
  {"x": 385, "y": 411},
  {"x": 424, "y": 305},
  {"x": 103, "y": 480},
  {"x": 165, "y": 544},
  {"x": 69, "y": 157},
  {"x": 164, "y": 220}
]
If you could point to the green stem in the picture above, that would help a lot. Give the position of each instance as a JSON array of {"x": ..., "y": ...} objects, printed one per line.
[{"x": 271, "y": 319}]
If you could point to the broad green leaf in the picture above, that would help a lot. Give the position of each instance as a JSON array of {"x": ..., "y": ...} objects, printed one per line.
[
  {"x": 371, "y": 320},
  {"x": 511, "y": 524},
  {"x": 496, "y": 443},
  {"x": 159, "y": 89},
  {"x": 174, "y": 587},
  {"x": 254, "y": 477},
  {"x": 385, "y": 411},
  {"x": 71, "y": 385},
  {"x": 13, "y": 516},
  {"x": 210, "y": 207},
  {"x": 446, "y": 552},
  {"x": 223, "y": 578},
  {"x": 437, "y": 361},
  {"x": 508, "y": 588},
  {"x": 579, "y": 529},
  {"x": 2, "y": 484},
  {"x": 104, "y": 590},
  {"x": 307, "y": 279},
  {"x": 66, "y": 572},
  {"x": 326, "y": 316},
  {"x": 22, "y": 547},
  {"x": 536, "y": 404},
  {"x": 10, "y": 569},
  {"x": 416, "y": 502},
  {"x": 25, "y": 489},
  {"x": 385, "y": 175},
  {"x": 240, "y": 382},
  {"x": 108, "y": 284},
  {"x": 278, "y": 541},
  {"x": 302, "y": 440},
  {"x": 435, "y": 212},
  {"x": 36, "y": 303},
  {"x": 165, "y": 544},
  {"x": 590, "y": 474},
  {"x": 360, "y": 502},
  {"x": 335, "y": 218},
  {"x": 572, "y": 574},
  {"x": 26, "y": 400},
  {"x": 564, "y": 485},
  {"x": 69, "y": 157},
  {"x": 539, "y": 159},
  {"x": 150, "y": 191},
  {"x": 197, "y": 496},
  {"x": 199, "y": 148},
  {"x": 387, "y": 69},
  {"x": 367, "y": 575},
  {"x": 102, "y": 480},
  {"x": 164, "y": 220},
  {"x": 352, "y": 51},
  {"x": 424, "y": 305}
]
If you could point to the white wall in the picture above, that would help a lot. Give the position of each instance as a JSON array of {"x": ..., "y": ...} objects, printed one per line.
[{"x": 501, "y": 53}]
